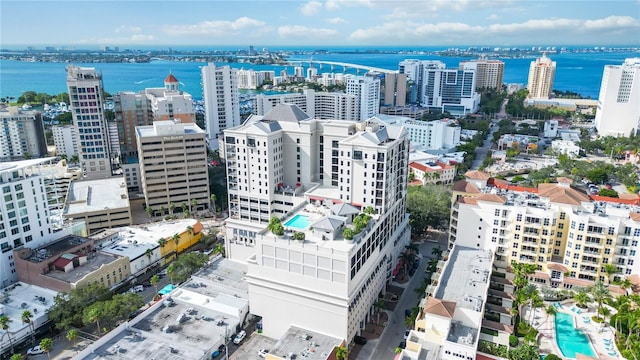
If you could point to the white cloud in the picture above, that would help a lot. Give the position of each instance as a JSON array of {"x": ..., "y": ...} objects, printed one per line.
[
  {"x": 217, "y": 27},
  {"x": 128, "y": 29},
  {"x": 291, "y": 31},
  {"x": 339, "y": 20},
  {"x": 451, "y": 32},
  {"x": 492, "y": 17},
  {"x": 337, "y": 4},
  {"x": 311, "y": 8}
]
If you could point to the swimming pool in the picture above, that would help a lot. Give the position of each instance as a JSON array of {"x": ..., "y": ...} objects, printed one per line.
[
  {"x": 571, "y": 340},
  {"x": 300, "y": 222}
]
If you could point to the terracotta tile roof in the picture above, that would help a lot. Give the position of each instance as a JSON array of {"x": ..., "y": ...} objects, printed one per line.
[
  {"x": 624, "y": 200},
  {"x": 424, "y": 168},
  {"x": 635, "y": 282},
  {"x": 565, "y": 180},
  {"x": 577, "y": 282},
  {"x": 492, "y": 198},
  {"x": 561, "y": 194},
  {"x": 469, "y": 200},
  {"x": 476, "y": 175},
  {"x": 440, "y": 307},
  {"x": 497, "y": 326},
  {"x": 557, "y": 267},
  {"x": 466, "y": 187},
  {"x": 542, "y": 275},
  {"x": 171, "y": 78},
  {"x": 482, "y": 357},
  {"x": 415, "y": 182},
  {"x": 502, "y": 184}
]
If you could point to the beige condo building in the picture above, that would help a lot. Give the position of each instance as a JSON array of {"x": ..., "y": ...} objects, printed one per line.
[
  {"x": 173, "y": 165},
  {"x": 489, "y": 73},
  {"x": 566, "y": 233},
  {"x": 541, "y": 74}
]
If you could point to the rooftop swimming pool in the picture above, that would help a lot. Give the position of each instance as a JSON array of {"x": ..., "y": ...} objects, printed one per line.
[
  {"x": 571, "y": 341},
  {"x": 299, "y": 222}
]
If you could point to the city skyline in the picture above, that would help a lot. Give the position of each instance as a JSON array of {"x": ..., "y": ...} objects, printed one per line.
[{"x": 319, "y": 23}]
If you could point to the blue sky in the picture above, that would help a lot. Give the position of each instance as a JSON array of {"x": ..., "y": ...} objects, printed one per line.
[{"x": 88, "y": 23}]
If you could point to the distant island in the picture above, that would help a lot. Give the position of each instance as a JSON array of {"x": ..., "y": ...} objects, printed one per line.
[{"x": 266, "y": 57}]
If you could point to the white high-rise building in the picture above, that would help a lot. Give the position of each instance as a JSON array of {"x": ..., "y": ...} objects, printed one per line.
[
  {"x": 221, "y": 101},
  {"x": 618, "y": 112},
  {"x": 65, "y": 139},
  {"x": 87, "y": 106},
  {"x": 367, "y": 90},
  {"x": 541, "y": 74},
  {"x": 319, "y": 105},
  {"x": 434, "y": 137},
  {"x": 329, "y": 266},
  {"x": 415, "y": 71},
  {"x": 449, "y": 90},
  {"x": 21, "y": 134},
  {"x": 24, "y": 214}
]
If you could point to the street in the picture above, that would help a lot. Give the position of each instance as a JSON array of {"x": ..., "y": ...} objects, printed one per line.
[{"x": 384, "y": 347}]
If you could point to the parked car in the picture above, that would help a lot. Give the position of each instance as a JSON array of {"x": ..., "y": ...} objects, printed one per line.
[
  {"x": 402, "y": 345},
  {"x": 137, "y": 288},
  {"x": 239, "y": 337},
  {"x": 360, "y": 340},
  {"x": 406, "y": 334},
  {"x": 263, "y": 352},
  {"x": 35, "y": 350},
  {"x": 407, "y": 312}
]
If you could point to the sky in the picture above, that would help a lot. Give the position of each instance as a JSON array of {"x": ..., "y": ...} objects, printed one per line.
[{"x": 351, "y": 23}]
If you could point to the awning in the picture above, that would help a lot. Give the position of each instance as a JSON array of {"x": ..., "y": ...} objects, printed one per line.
[
  {"x": 317, "y": 198},
  {"x": 167, "y": 289}
]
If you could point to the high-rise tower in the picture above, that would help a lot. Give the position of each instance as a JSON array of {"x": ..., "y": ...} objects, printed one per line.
[
  {"x": 541, "y": 74},
  {"x": 221, "y": 101},
  {"x": 618, "y": 114},
  {"x": 87, "y": 108}
]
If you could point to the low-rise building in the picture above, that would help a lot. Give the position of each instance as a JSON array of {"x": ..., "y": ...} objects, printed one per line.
[
  {"x": 522, "y": 142},
  {"x": 100, "y": 203},
  {"x": 566, "y": 147},
  {"x": 432, "y": 172},
  {"x": 437, "y": 137},
  {"x": 68, "y": 263}
]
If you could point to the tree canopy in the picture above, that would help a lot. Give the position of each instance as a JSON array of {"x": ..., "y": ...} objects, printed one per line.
[{"x": 429, "y": 206}]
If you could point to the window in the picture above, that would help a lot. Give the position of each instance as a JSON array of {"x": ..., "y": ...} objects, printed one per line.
[{"x": 563, "y": 215}]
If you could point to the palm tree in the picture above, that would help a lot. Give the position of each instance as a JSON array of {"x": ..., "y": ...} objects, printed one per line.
[
  {"x": 72, "y": 335},
  {"x": 155, "y": 279},
  {"x": 171, "y": 271},
  {"x": 437, "y": 252},
  {"x": 433, "y": 265},
  {"x": 625, "y": 284},
  {"x": 536, "y": 302},
  {"x": 149, "y": 211},
  {"x": 213, "y": 202},
  {"x": 342, "y": 353},
  {"x": 172, "y": 207},
  {"x": 412, "y": 248},
  {"x": 600, "y": 293},
  {"x": 162, "y": 242},
  {"x": 581, "y": 297},
  {"x": 26, "y": 317},
  {"x": 176, "y": 240},
  {"x": 610, "y": 269},
  {"x": 186, "y": 213},
  {"x": 378, "y": 305},
  {"x": 46, "y": 344},
  {"x": 194, "y": 204},
  {"x": 190, "y": 230},
  {"x": 407, "y": 260},
  {"x": 219, "y": 249},
  {"x": 149, "y": 254},
  {"x": 92, "y": 315},
  {"x": 550, "y": 311},
  {"x": 162, "y": 210},
  {"x": 5, "y": 321},
  {"x": 427, "y": 176}
]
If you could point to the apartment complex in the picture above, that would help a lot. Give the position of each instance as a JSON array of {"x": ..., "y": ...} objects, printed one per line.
[
  {"x": 436, "y": 137},
  {"x": 367, "y": 90},
  {"x": 489, "y": 73},
  {"x": 87, "y": 108},
  {"x": 319, "y": 177},
  {"x": 568, "y": 234},
  {"x": 618, "y": 112},
  {"x": 65, "y": 139},
  {"x": 21, "y": 134},
  {"x": 450, "y": 90},
  {"x": 318, "y": 105},
  {"x": 221, "y": 101},
  {"x": 24, "y": 214},
  {"x": 143, "y": 108},
  {"x": 173, "y": 165},
  {"x": 432, "y": 172},
  {"x": 541, "y": 74},
  {"x": 251, "y": 79}
]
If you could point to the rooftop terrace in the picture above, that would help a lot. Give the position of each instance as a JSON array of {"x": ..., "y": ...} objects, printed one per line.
[
  {"x": 305, "y": 344},
  {"x": 93, "y": 263}
]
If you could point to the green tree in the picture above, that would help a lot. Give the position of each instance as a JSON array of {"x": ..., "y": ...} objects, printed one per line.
[
  {"x": 610, "y": 269},
  {"x": 176, "y": 241},
  {"x": 275, "y": 226},
  {"x": 93, "y": 314},
  {"x": 213, "y": 202},
  {"x": 429, "y": 206},
  {"x": 219, "y": 249},
  {"x": 67, "y": 309},
  {"x": 72, "y": 336},
  {"x": 378, "y": 306},
  {"x": 27, "y": 317},
  {"x": 149, "y": 254},
  {"x": 581, "y": 297},
  {"x": 17, "y": 357},
  {"x": 600, "y": 293},
  {"x": 552, "y": 357},
  {"x": 598, "y": 175},
  {"x": 5, "y": 322},
  {"x": 149, "y": 211},
  {"x": 162, "y": 242},
  {"x": 437, "y": 252},
  {"x": 194, "y": 204},
  {"x": 46, "y": 345},
  {"x": 172, "y": 207},
  {"x": 342, "y": 353},
  {"x": 608, "y": 193},
  {"x": 524, "y": 352},
  {"x": 155, "y": 280},
  {"x": 550, "y": 311}
]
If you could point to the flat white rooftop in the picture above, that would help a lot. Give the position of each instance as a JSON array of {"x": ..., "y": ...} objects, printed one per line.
[
  {"x": 10, "y": 166},
  {"x": 96, "y": 195},
  {"x": 304, "y": 344},
  {"x": 133, "y": 241},
  {"x": 465, "y": 278}
]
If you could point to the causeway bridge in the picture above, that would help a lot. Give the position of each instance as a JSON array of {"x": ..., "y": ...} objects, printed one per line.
[{"x": 345, "y": 66}]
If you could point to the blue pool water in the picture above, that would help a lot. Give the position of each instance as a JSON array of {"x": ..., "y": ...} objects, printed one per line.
[
  {"x": 570, "y": 340},
  {"x": 299, "y": 222}
]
